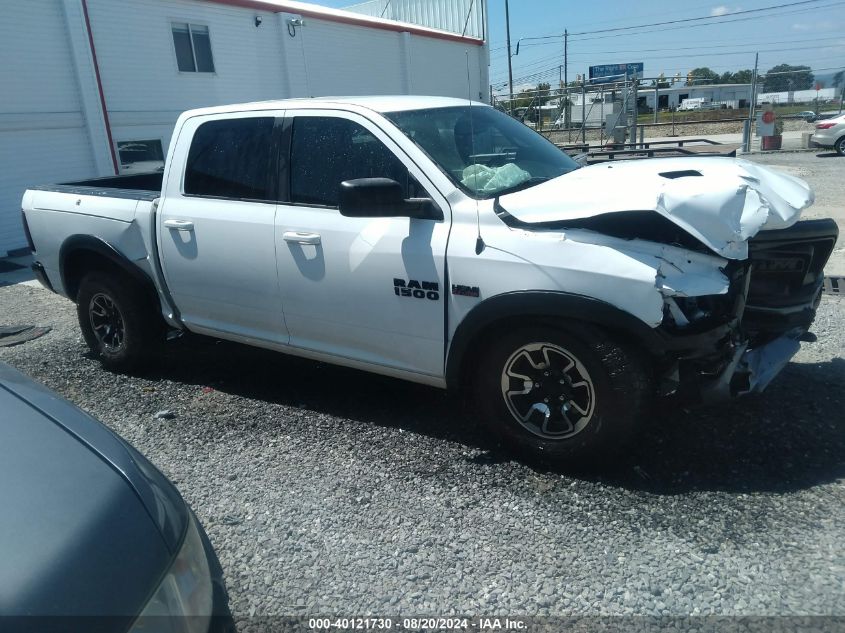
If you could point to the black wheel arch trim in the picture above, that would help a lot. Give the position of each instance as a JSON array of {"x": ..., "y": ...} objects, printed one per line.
[
  {"x": 76, "y": 243},
  {"x": 541, "y": 304}
]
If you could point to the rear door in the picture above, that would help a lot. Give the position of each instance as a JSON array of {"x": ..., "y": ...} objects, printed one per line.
[
  {"x": 366, "y": 289},
  {"x": 215, "y": 226}
]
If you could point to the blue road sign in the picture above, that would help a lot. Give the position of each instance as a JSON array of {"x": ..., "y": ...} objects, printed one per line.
[{"x": 613, "y": 72}]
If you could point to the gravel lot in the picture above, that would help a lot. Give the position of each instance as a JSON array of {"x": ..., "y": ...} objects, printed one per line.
[
  {"x": 823, "y": 169},
  {"x": 329, "y": 491}
]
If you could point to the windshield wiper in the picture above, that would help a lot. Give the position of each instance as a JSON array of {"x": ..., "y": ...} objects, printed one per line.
[{"x": 525, "y": 184}]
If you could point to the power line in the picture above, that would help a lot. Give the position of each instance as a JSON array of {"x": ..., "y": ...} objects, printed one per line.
[
  {"x": 744, "y": 19},
  {"x": 683, "y": 20},
  {"x": 722, "y": 54}
]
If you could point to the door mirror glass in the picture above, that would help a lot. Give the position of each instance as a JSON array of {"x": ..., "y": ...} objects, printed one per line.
[{"x": 383, "y": 198}]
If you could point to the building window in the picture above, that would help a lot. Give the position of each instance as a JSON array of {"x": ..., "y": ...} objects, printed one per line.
[
  {"x": 193, "y": 48},
  {"x": 137, "y": 157}
]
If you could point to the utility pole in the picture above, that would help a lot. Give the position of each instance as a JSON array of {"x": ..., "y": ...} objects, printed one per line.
[
  {"x": 566, "y": 78},
  {"x": 842, "y": 96},
  {"x": 634, "y": 110},
  {"x": 565, "y": 55},
  {"x": 752, "y": 105},
  {"x": 510, "y": 68},
  {"x": 656, "y": 96}
]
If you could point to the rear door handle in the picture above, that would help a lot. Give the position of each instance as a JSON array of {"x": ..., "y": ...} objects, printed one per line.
[
  {"x": 301, "y": 238},
  {"x": 179, "y": 225}
]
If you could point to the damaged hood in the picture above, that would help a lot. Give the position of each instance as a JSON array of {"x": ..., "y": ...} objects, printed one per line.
[{"x": 722, "y": 202}]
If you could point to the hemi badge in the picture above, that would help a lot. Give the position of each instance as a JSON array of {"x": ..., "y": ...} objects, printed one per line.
[{"x": 465, "y": 291}]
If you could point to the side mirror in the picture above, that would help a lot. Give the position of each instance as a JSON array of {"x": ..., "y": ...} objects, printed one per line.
[{"x": 383, "y": 198}]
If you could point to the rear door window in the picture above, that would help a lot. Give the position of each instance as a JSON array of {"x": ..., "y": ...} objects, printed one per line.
[
  {"x": 325, "y": 151},
  {"x": 232, "y": 158}
]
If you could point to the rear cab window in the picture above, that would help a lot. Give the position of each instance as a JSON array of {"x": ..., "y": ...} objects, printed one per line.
[{"x": 233, "y": 159}]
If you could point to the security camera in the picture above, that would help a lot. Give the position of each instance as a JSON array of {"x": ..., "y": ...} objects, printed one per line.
[{"x": 258, "y": 20}]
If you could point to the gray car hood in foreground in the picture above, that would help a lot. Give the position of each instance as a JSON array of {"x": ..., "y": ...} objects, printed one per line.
[
  {"x": 88, "y": 526},
  {"x": 722, "y": 202}
]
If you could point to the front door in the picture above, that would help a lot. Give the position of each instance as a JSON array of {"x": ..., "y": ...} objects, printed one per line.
[
  {"x": 365, "y": 289},
  {"x": 215, "y": 228}
]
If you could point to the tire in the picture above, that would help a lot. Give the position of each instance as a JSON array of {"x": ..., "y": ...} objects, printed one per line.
[
  {"x": 839, "y": 146},
  {"x": 118, "y": 321},
  {"x": 601, "y": 386}
]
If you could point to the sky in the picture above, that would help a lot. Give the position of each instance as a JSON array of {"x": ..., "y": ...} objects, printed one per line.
[{"x": 810, "y": 32}]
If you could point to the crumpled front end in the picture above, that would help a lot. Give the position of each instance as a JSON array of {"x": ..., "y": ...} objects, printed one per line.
[
  {"x": 736, "y": 343},
  {"x": 737, "y": 276}
]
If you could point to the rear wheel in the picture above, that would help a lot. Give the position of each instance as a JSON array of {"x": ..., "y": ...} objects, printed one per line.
[
  {"x": 839, "y": 146},
  {"x": 118, "y": 320},
  {"x": 561, "y": 396}
]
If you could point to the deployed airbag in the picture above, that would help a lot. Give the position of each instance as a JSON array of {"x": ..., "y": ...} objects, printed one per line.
[{"x": 484, "y": 179}]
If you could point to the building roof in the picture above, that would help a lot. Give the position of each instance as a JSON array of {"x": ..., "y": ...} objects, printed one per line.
[{"x": 306, "y": 9}]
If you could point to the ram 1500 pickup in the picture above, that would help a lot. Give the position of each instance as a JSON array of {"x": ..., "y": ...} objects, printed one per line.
[{"x": 441, "y": 241}]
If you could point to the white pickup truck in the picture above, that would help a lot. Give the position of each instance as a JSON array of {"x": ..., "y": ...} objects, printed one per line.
[{"x": 445, "y": 243}]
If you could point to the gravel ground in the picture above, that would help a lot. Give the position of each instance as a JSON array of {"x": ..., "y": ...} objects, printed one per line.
[
  {"x": 330, "y": 491},
  {"x": 823, "y": 170}
]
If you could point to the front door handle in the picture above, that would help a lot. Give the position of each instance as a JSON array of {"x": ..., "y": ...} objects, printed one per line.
[
  {"x": 179, "y": 225},
  {"x": 301, "y": 238}
]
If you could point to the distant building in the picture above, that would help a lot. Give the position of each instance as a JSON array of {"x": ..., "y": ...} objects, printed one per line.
[{"x": 94, "y": 87}]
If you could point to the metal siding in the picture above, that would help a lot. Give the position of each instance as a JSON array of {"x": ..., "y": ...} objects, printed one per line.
[
  {"x": 352, "y": 60},
  {"x": 448, "y": 15},
  {"x": 452, "y": 57},
  {"x": 51, "y": 127},
  {"x": 42, "y": 127},
  {"x": 141, "y": 80}
]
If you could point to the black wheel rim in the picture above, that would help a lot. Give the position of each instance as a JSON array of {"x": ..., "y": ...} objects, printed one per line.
[
  {"x": 107, "y": 322},
  {"x": 548, "y": 391}
]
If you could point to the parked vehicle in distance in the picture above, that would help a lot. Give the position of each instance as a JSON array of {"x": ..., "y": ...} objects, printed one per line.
[
  {"x": 445, "y": 243},
  {"x": 94, "y": 537},
  {"x": 831, "y": 133},
  {"x": 808, "y": 115},
  {"x": 696, "y": 103}
]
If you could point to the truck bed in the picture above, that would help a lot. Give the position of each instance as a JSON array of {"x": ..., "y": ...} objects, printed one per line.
[{"x": 135, "y": 187}]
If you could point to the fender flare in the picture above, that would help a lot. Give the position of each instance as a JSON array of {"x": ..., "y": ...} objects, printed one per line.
[
  {"x": 90, "y": 243},
  {"x": 549, "y": 305}
]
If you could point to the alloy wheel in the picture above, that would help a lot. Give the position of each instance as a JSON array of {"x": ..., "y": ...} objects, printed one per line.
[
  {"x": 548, "y": 391},
  {"x": 107, "y": 322}
]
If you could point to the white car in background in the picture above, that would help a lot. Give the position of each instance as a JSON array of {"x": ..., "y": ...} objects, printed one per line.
[{"x": 831, "y": 133}]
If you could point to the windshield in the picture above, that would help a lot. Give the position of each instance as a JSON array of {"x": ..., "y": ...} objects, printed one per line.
[{"x": 485, "y": 152}]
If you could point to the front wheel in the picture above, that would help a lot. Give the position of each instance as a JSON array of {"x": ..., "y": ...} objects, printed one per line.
[
  {"x": 567, "y": 396},
  {"x": 118, "y": 321}
]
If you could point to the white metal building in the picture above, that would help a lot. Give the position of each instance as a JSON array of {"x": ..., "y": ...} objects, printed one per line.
[
  {"x": 94, "y": 87},
  {"x": 458, "y": 16}
]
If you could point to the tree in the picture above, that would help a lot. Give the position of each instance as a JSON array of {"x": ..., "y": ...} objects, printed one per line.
[
  {"x": 703, "y": 75},
  {"x": 742, "y": 76},
  {"x": 739, "y": 77},
  {"x": 543, "y": 91},
  {"x": 783, "y": 77},
  {"x": 839, "y": 79}
]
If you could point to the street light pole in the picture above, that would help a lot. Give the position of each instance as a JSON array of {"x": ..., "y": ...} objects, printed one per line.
[{"x": 510, "y": 68}]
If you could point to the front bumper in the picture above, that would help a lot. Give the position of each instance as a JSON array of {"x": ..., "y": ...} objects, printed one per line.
[{"x": 751, "y": 371}]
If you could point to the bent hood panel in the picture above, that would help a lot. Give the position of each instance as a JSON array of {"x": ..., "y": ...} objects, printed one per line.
[{"x": 728, "y": 203}]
